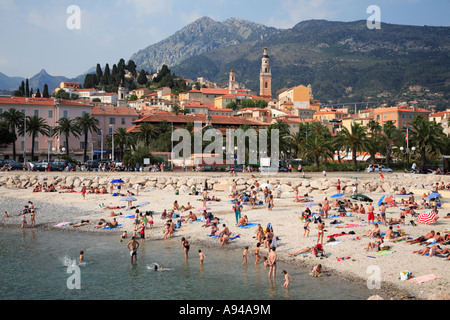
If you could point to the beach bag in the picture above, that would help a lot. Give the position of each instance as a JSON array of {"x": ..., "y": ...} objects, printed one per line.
[{"x": 405, "y": 275}]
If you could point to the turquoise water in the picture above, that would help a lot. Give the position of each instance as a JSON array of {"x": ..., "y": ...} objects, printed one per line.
[{"x": 34, "y": 265}]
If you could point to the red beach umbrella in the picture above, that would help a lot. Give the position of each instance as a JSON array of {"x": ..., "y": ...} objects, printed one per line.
[{"x": 428, "y": 217}]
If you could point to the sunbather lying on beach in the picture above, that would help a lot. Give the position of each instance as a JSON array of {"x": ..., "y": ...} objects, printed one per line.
[
  {"x": 432, "y": 250},
  {"x": 305, "y": 250},
  {"x": 422, "y": 238}
]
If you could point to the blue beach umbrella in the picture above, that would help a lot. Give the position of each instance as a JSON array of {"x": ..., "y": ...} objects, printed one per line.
[
  {"x": 337, "y": 195},
  {"x": 381, "y": 200},
  {"x": 117, "y": 181},
  {"x": 434, "y": 195}
]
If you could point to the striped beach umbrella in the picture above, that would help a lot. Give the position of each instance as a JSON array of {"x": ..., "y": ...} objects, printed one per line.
[{"x": 428, "y": 217}]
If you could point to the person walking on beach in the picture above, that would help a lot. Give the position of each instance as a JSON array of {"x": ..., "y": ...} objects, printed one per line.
[
  {"x": 320, "y": 227},
  {"x": 371, "y": 216},
  {"x": 257, "y": 252},
  {"x": 133, "y": 246},
  {"x": 237, "y": 207},
  {"x": 83, "y": 192},
  {"x": 272, "y": 263},
  {"x": 383, "y": 213}
]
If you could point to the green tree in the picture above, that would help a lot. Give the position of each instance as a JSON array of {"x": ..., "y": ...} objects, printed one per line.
[
  {"x": 124, "y": 140},
  {"x": 99, "y": 74},
  {"x": 427, "y": 136},
  {"x": 146, "y": 132},
  {"x": 27, "y": 88},
  {"x": 131, "y": 67},
  {"x": 317, "y": 146},
  {"x": 35, "y": 125},
  {"x": 142, "y": 79},
  {"x": 354, "y": 139},
  {"x": 66, "y": 127},
  {"x": 14, "y": 120},
  {"x": 106, "y": 80},
  {"x": 6, "y": 135},
  {"x": 389, "y": 138},
  {"x": 45, "y": 93},
  {"x": 86, "y": 124}
]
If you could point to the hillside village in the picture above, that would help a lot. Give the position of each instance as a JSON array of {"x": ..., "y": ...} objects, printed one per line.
[{"x": 218, "y": 105}]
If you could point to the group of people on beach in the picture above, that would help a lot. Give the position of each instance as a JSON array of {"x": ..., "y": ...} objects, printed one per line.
[{"x": 27, "y": 209}]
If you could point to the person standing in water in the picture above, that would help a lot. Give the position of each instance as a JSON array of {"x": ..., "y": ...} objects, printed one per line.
[
  {"x": 272, "y": 263},
  {"x": 133, "y": 246}
]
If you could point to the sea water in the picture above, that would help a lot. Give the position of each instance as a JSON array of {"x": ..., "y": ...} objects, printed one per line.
[{"x": 37, "y": 264}]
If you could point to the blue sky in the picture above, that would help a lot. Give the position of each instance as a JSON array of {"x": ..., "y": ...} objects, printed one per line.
[{"x": 34, "y": 34}]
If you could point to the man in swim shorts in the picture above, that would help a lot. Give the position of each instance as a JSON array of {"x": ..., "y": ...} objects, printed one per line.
[
  {"x": 272, "y": 262},
  {"x": 133, "y": 246},
  {"x": 371, "y": 216}
]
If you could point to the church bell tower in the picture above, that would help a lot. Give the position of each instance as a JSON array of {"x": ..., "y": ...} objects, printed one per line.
[{"x": 265, "y": 77}]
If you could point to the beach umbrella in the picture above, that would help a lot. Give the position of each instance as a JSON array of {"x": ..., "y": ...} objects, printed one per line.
[
  {"x": 128, "y": 199},
  {"x": 381, "y": 200},
  {"x": 434, "y": 195},
  {"x": 269, "y": 186},
  {"x": 310, "y": 204},
  {"x": 203, "y": 209},
  {"x": 361, "y": 197},
  {"x": 117, "y": 181},
  {"x": 337, "y": 195},
  {"x": 428, "y": 217}
]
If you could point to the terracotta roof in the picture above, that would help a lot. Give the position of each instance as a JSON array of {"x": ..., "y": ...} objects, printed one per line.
[
  {"x": 215, "y": 91},
  {"x": 27, "y": 101},
  {"x": 177, "y": 119},
  {"x": 112, "y": 110}
]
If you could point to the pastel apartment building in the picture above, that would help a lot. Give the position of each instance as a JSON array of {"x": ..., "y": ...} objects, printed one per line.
[{"x": 51, "y": 110}]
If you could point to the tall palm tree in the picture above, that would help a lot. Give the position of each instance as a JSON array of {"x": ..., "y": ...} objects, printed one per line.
[
  {"x": 317, "y": 146},
  {"x": 389, "y": 137},
  {"x": 87, "y": 124},
  {"x": 427, "y": 136},
  {"x": 67, "y": 127},
  {"x": 123, "y": 140},
  {"x": 146, "y": 132},
  {"x": 354, "y": 139},
  {"x": 13, "y": 119},
  {"x": 35, "y": 125}
]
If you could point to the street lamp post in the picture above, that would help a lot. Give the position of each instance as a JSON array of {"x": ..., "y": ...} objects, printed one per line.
[
  {"x": 407, "y": 152},
  {"x": 112, "y": 154}
]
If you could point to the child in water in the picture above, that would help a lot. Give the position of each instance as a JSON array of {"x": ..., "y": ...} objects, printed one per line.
[
  {"x": 201, "y": 256},
  {"x": 81, "y": 258},
  {"x": 286, "y": 279}
]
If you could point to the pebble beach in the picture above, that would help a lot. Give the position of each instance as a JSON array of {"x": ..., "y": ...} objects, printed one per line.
[{"x": 346, "y": 257}]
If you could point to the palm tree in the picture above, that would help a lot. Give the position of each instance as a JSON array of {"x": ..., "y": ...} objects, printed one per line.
[
  {"x": 354, "y": 139},
  {"x": 13, "y": 119},
  {"x": 67, "y": 127},
  {"x": 146, "y": 132},
  {"x": 86, "y": 124},
  {"x": 123, "y": 139},
  {"x": 390, "y": 136},
  {"x": 34, "y": 126},
  {"x": 317, "y": 146},
  {"x": 427, "y": 136},
  {"x": 283, "y": 136}
]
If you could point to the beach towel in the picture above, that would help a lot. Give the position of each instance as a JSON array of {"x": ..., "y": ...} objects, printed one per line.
[
  {"x": 62, "y": 224},
  {"x": 425, "y": 278},
  {"x": 249, "y": 225},
  {"x": 348, "y": 226},
  {"x": 108, "y": 228},
  {"x": 383, "y": 253},
  {"x": 232, "y": 237},
  {"x": 333, "y": 243}
]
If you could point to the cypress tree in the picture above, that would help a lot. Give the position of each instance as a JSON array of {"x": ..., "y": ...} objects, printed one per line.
[
  {"x": 45, "y": 92},
  {"x": 27, "y": 88}
]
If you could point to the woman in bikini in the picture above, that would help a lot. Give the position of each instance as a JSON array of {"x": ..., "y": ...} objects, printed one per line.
[{"x": 186, "y": 246}]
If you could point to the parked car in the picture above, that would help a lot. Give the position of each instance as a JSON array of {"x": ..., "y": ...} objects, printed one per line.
[
  {"x": 207, "y": 168},
  {"x": 13, "y": 165},
  {"x": 378, "y": 168}
]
